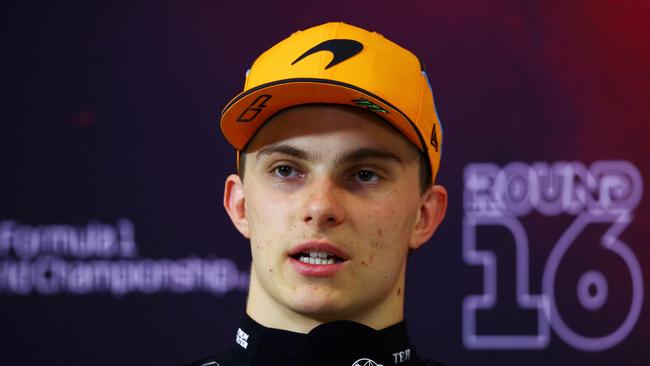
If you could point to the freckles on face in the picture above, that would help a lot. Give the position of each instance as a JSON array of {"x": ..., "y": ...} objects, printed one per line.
[{"x": 385, "y": 229}]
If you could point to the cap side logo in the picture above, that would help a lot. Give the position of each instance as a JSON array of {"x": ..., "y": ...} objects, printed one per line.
[
  {"x": 363, "y": 102},
  {"x": 434, "y": 138},
  {"x": 342, "y": 49}
]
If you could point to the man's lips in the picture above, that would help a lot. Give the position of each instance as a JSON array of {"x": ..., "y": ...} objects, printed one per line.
[{"x": 317, "y": 259}]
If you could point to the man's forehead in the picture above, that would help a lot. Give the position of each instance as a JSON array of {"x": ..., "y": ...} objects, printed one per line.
[{"x": 306, "y": 127}]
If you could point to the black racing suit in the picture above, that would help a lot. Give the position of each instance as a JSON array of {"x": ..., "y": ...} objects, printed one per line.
[{"x": 343, "y": 343}]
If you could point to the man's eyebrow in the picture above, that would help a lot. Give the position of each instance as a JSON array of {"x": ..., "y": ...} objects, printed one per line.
[
  {"x": 353, "y": 156},
  {"x": 367, "y": 153},
  {"x": 286, "y": 150}
]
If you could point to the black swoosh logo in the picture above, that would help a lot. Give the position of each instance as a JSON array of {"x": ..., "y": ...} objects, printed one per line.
[{"x": 342, "y": 49}]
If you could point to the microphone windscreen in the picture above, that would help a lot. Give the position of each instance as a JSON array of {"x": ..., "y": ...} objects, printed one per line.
[{"x": 344, "y": 343}]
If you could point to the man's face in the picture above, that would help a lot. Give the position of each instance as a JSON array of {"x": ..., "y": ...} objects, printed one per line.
[{"x": 334, "y": 182}]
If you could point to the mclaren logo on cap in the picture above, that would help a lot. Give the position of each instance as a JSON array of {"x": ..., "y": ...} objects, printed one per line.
[{"x": 342, "y": 49}]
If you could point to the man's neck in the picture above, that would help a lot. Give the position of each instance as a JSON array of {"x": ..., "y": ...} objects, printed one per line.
[{"x": 268, "y": 312}]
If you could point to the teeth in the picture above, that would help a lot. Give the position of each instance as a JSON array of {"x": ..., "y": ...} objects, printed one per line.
[
  {"x": 315, "y": 254},
  {"x": 316, "y": 259}
]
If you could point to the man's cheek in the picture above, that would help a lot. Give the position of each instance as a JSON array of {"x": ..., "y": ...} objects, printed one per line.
[
  {"x": 385, "y": 222},
  {"x": 261, "y": 213}
]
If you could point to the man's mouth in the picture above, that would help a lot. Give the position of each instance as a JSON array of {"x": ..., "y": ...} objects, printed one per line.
[{"x": 317, "y": 257}]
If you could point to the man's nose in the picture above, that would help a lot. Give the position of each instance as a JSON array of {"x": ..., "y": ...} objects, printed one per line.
[{"x": 322, "y": 206}]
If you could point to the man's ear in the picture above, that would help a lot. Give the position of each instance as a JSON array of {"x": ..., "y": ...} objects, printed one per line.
[
  {"x": 235, "y": 204},
  {"x": 433, "y": 206}
]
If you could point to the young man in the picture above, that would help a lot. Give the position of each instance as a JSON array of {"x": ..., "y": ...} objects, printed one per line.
[{"x": 338, "y": 146}]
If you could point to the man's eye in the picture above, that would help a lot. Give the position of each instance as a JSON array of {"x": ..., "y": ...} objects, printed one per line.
[
  {"x": 285, "y": 171},
  {"x": 367, "y": 176}
]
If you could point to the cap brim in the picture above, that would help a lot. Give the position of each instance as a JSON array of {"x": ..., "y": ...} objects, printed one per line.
[{"x": 247, "y": 112}]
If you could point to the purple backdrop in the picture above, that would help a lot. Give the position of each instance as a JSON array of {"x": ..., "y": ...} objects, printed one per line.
[{"x": 114, "y": 248}]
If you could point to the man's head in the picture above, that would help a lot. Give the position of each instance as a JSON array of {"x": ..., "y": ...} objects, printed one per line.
[{"x": 334, "y": 199}]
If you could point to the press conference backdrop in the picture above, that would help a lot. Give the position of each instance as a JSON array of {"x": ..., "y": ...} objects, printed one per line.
[{"x": 115, "y": 249}]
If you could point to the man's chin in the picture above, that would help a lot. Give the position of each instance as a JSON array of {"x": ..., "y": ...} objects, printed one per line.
[{"x": 318, "y": 306}]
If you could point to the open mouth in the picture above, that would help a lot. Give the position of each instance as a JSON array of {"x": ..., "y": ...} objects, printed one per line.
[{"x": 317, "y": 257}]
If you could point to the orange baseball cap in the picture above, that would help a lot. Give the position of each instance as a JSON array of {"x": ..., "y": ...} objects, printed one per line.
[{"x": 361, "y": 69}]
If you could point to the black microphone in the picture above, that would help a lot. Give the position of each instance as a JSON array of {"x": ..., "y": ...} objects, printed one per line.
[{"x": 344, "y": 343}]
